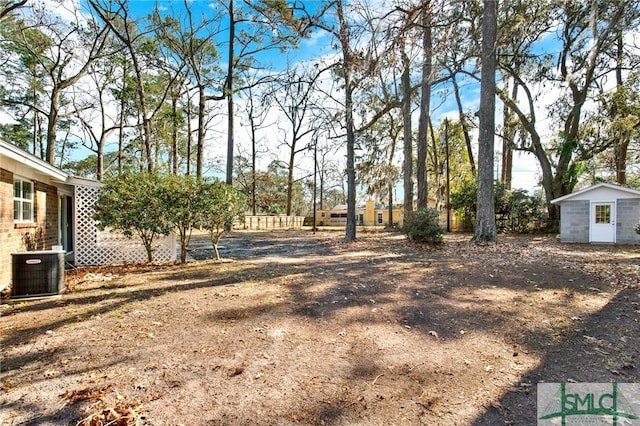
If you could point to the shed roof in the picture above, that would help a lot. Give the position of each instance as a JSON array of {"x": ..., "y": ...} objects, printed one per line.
[
  {"x": 627, "y": 192},
  {"x": 11, "y": 151}
]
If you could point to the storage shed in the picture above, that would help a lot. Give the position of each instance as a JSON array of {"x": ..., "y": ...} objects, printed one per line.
[{"x": 602, "y": 213}]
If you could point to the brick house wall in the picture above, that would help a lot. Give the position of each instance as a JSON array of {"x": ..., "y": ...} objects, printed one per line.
[
  {"x": 574, "y": 221},
  {"x": 13, "y": 236},
  {"x": 47, "y": 214},
  {"x": 85, "y": 244}
]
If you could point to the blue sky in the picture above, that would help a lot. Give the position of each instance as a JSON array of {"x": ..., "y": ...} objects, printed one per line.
[
  {"x": 525, "y": 171},
  {"x": 319, "y": 44}
]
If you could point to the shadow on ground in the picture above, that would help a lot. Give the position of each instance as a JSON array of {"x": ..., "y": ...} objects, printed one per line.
[{"x": 405, "y": 317}]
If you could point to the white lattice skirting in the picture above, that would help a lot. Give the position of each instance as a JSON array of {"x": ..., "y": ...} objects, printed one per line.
[{"x": 95, "y": 247}]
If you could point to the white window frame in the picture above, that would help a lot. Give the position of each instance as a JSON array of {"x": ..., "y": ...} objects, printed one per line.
[{"x": 22, "y": 201}]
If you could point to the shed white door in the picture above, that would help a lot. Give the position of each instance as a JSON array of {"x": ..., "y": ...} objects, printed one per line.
[{"x": 603, "y": 224}]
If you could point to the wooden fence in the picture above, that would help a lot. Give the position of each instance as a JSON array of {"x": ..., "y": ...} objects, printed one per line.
[{"x": 271, "y": 222}]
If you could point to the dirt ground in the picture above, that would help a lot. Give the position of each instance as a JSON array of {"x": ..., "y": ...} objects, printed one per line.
[{"x": 295, "y": 328}]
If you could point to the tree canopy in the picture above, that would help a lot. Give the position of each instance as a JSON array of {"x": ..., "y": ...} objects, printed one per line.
[{"x": 348, "y": 90}]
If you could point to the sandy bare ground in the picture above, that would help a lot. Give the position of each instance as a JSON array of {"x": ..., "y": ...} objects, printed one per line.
[{"x": 296, "y": 328}]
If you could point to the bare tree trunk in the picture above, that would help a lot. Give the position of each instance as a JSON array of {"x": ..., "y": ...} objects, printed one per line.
[
  {"x": 620, "y": 154},
  {"x": 8, "y": 7},
  {"x": 124, "y": 36},
  {"x": 390, "y": 206},
  {"x": 36, "y": 117},
  {"x": 36, "y": 132},
  {"x": 229, "y": 93},
  {"x": 407, "y": 167},
  {"x": 437, "y": 167},
  {"x": 621, "y": 144},
  {"x": 292, "y": 155},
  {"x": 142, "y": 97},
  {"x": 188, "y": 171},
  {"x": 202, "y": 106},
  {"x": 122, "y": 116},
  {"x": 174, "y": 133},
  {"x": 254, "y": 154},
  {"x": 350, "y": 231},
  {"x": 425, "y": 105},
  {"x": 508, "y": 137},
  {"x": 486, "y": 219},
  {"x": 100, "y": 159},
  {"x": 52, "y": 124},
  {"x": 465, "y": 126}
]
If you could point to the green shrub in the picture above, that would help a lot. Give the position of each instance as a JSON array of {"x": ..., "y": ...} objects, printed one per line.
[
  {"x": 131, "y": 204},
  {"x": 222, "y": 205},
  {"x": 422, "y": 226},
  {"x": 516, "y": 210}
]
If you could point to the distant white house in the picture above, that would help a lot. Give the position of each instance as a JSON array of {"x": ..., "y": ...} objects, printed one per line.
[{"x": 602, "y": 213}]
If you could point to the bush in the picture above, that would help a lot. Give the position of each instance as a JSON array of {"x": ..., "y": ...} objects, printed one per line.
[
  {"x": 637, "y": 228},
  {"x": 422, "y": 226},
  {"x": 222, "y": 205},
  {"x": 516, "y": 210},
  {"x": 131, "y": 204},
  {"x": 149, "y": 205}
]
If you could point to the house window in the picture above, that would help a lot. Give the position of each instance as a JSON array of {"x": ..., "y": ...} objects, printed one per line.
[
  {"x": 22, "y": 200},
  {"x": 603, "y": 213},
  {"x": 379, "y": 218}
]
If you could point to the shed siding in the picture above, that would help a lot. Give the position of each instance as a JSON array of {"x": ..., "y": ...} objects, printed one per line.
[
  {"x": 574, "y": 221},
  {"x": 628, "y": 215}
]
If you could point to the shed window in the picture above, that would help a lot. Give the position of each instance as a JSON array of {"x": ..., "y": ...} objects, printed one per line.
[
  {"x": 603, "y": 213},
  {"x": 22, "y": 200},
  {"x": 379, "y": 218}
]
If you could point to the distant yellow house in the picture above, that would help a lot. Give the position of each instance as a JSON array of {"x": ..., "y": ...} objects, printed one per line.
[
  {"x": 372, "y": 214},
  {"x": 369, "y": 214}
]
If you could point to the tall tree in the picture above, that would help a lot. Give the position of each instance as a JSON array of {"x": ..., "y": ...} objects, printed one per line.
[
  {"x": 623, "y": 110},
  {"x": 587, "y": 32},
  {"x": 458, "y": 46},
  {"x": 256, "y": 110},
  {"x": 23, "y": 91},
  {"x": 617, "y": 125},
  {"x": 295, "y": 100},
  {"x": 486, "y": 230},
  {"x": 94, "y": 113},
  {"x": 425, "y": 104},
  {"x": 116, "y": 15},
  {"x": 347, "y": 74},
  {"x": 356, "y": 35},
  {"x": 464, "y": 122},
  {"x": 448, "y": 164},
  {"x": 64, "y": 52},
  {"x": 193, "y": 42},
  {"x": 143, "y": 52},
  {"x": 343, "y": 35},
  {"x": 407, "y": 167},
  {"x": 273, "y": 25},
  {"x": 509, "y": 129}
]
